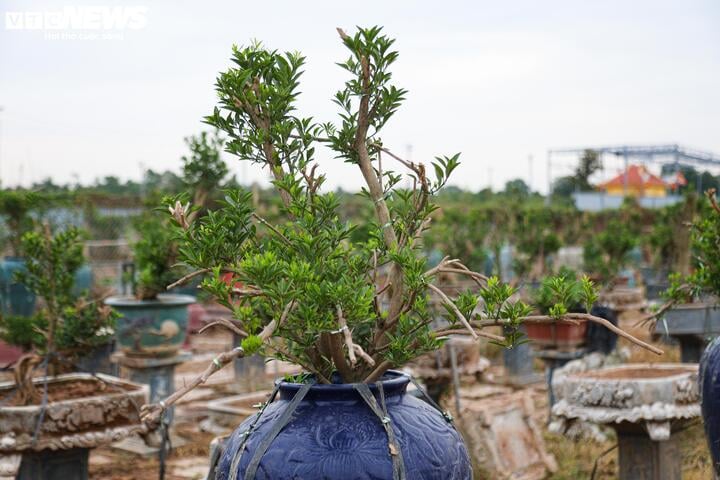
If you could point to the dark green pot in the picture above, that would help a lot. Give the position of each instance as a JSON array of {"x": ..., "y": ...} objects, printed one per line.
[
  {"x": 151, "y": 328},
  {"x": 15, "y": 298}
]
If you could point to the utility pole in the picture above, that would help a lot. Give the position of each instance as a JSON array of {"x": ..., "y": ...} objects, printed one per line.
[
  {"x": 530, "y": 162},
  {"x": 549, "y": 177},
  {"x": 2, "y": 109}
]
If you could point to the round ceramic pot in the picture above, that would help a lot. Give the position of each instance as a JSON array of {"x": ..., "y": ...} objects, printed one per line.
[
  {"x": 333, "y": 435},
  {"x": 709, "y": 381},
  {"x": 151, "y": 328},
  {"x": 15, "y": 298}
]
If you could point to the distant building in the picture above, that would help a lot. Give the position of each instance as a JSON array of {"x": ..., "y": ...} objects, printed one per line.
[
  {"x": 636, "y": 181},
  {"x": 650, "y": 190}
]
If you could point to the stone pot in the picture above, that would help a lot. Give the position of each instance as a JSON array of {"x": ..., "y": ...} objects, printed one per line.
[
  {"x": 151, "y": 328},
  {"x": 333, "y": 434},
  {"x": 692, "y": 325},
  {"x": 69, "y": 428},
  {"x": 710, "y": 399}
]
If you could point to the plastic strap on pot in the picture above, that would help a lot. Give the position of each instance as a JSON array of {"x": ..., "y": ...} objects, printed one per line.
[
  {"x": 246, "y": 434},
  {"x": 277, "y": 427},
  {"x": 395, "y": 452},
  {"x": 446, "y": 415}
]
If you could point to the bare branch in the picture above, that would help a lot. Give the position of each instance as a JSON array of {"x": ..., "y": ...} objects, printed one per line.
[
  {"x": 455, "y": 310},
  {"x": 362, "y": 354},
  {"x": 150, "y": 414},
  {"x": 379, "y": 370},
  {"x": 248, "y": 292},
  {"x": 223, "y": 322},
  {"x": 710, "y": 194},
  {"x": 188, "y": 277},
  {"x": 462, "y": 331},
  {"x": 347, "y": 335},
  {"x": 652, "y": 317}
]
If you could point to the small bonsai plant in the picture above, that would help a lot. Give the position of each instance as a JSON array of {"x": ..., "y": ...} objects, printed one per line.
[
  {"x": 155, "y": 256},
  {"x": 68, "y": 325},
  {"x": 307, "y": 292}
]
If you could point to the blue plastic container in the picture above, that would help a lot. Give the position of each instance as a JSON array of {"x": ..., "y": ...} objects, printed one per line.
[
  {"x": 333, "y": 435},
  {"x": 15, "y": 298}
]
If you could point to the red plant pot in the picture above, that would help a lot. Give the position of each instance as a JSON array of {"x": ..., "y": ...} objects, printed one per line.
[
  {"x": 196, "y": 313},
  {"x": 557, "y": 335},
  {"x": 8, "y": 353}
]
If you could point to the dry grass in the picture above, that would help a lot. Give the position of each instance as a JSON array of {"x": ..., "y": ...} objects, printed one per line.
[{"x": 576, "y": 459}]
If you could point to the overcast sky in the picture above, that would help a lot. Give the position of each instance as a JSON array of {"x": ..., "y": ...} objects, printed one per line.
[{"x": 497, "y": 81}]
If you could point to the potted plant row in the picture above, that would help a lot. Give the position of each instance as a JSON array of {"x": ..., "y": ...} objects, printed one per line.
[
  {"x": 310, "y": 294},
  {"x": 51, "y": 413}
]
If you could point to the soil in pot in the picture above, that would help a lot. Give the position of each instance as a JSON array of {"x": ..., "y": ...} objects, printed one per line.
[{"x": 57, "y": 392}]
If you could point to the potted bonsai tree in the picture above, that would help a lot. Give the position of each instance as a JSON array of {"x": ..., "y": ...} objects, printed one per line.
[
  {"x": 557, "y": 296},
  {"x": 152, "y": 323},
  {"x": 310, "y": 295},
  {"x": 50, "y": 422}
]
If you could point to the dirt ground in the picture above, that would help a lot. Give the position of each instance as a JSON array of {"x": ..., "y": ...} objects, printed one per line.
[{"x": 190, "y": 461}]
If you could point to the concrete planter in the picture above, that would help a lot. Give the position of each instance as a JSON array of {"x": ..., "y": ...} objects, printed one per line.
[
  {"x": 151, "y": 328},
  {"x": 67, "y": 429},
  {"x": 693, "y": 325}
]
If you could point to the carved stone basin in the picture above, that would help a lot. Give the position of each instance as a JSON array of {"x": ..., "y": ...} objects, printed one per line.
[
  {"x": 649, "y": 394},
  {"x": 644, "y": 403},
  {"x": 100, "y": 416}
]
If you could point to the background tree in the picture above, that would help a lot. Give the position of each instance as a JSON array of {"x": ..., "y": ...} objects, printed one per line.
[{"x": 204, "y": 169}]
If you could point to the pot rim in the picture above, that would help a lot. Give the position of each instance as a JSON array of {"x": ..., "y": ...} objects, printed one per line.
[
  {"x": 686, "y": 369},
  {"x": 162, "y": 300},
  {"x": 393, "y": 381}
]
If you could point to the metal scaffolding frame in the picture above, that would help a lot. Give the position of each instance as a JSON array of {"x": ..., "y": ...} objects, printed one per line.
[{"x": 650, "y": 153}]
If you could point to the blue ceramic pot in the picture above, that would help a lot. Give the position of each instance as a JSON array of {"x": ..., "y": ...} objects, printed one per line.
[
  {"x": 333, "y": 435},
  {"x": 15, "y": 298},
  {"x": 151, "y": 328},
  {"x": 709, "y": 380}
]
